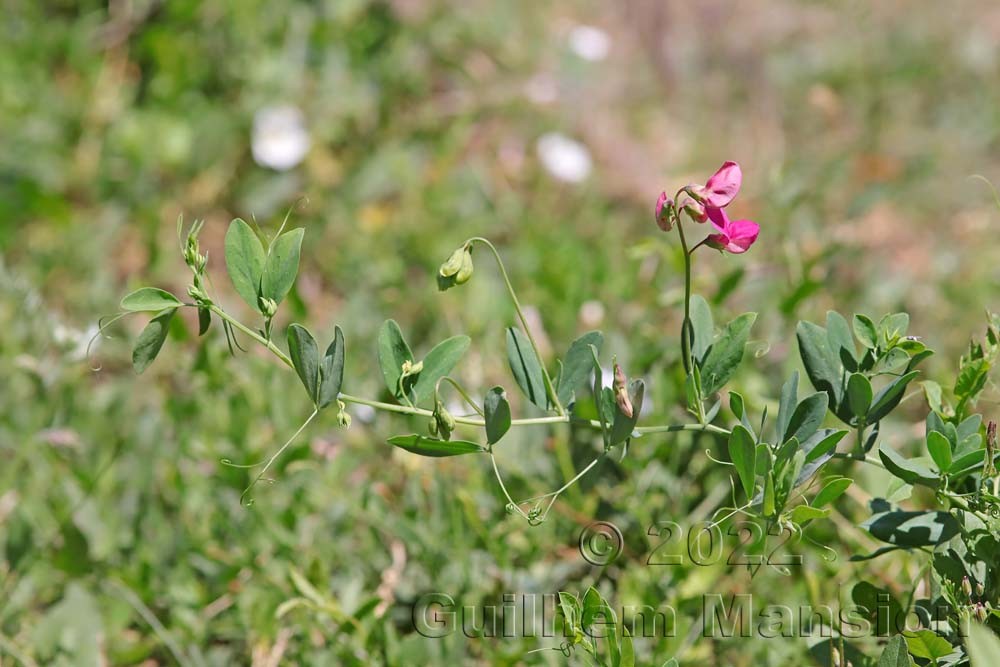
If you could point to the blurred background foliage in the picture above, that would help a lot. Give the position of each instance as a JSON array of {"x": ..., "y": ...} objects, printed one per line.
[{"x": 393, "y": 131}]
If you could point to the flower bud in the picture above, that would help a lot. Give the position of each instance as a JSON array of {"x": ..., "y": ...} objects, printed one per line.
[
  {"x": 695, "y": 211},
  {"x": 621, "y": 392},
  {"x": 981, "y": 613},
  {"x": 663, "y": 208},
  {"x": 268, "y": 307},
  {"x": 453, "y": 265},
  {"x": 967, "y": 587},
  {"x": 835, "y": 657},
  {"x": 980, "y": 590},
  {"x": 409, "y": 368},
  {"x": 457, "y": 270},
  {"x": 444, "y": 421},
  {"x": 343, "y": 418}
]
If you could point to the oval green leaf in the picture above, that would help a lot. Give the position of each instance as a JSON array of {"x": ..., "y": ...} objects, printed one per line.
[
  {"x": 150, "y": 299},
  {"x": 244, "y": 261}
]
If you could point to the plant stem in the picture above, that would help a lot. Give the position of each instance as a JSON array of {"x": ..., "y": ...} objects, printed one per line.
[
  {"x": 686, "y": 333},
  {"x": 468, "y": 421},
  {"x": 549, "y": 387}
]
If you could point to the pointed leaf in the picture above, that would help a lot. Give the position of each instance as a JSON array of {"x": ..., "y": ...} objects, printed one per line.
[
  {"x": 244, "y": 261},
  {"x": 841, "y": 341},
  {"x": 704, "y": 328},
  {"x": 331, "y": 374},
  {"x": 859, "y": 395},
  {"x": 864, "y": 330},
  {"x": 149, "y": 342},
  {"x": 940, "y": 449},
  {"x": 577, "y": 365},
  {"x": 822, "y": 365},
  {"x": 910, "y": 472},
  {"x": 743, "y": 453},
  {"x": 787, "y": 404},
  {"x": 887, "y": 399},
  {"x": 526, "y": 367},
  {"x": 807, "y": 418},
  {"x": 833, "y": 490},
  {"x": 392, "y": 353},
  {"x": 497, "y": 411},
  {"x": 439, "y": 362},
  {"x": 305, "y": 358},
  {"x": 726, "y": 354},
  {"x": 151, "y": 299},
  {"x": 281, "y": 265}
]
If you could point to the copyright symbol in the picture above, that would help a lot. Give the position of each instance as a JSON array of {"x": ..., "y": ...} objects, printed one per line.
[{"x": 601, "y": 543}]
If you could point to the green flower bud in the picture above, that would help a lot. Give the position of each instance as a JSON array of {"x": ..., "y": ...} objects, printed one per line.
[
  {"x": 343, "y": 418},
  {"x": 454, "y": 264},
  {"x": 980, "y": 590},
  {"x": 967, "y": 587},
  {"x": 444, "y": 421},
  {"x": 268, "y": 307},
  {"x": 457, "y": 270}
]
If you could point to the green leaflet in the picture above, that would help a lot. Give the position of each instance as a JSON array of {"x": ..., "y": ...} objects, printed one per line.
[
  {"x": 392, "y": 353},
  {"x": 151, "y": 299},
  {"x": 281, "y": 265},
  {"x": 526, "y": 367},
  {"x": 577, "y": 365},
  {"x": 439, "y": 362},
  {"x": 149, "y": 342},
  {"x": 726, "y": 353},
  {"x": 305, "y": 358},
  {"x": 497, "y": 414},
  {"x": 244, "y": 261},
  {"x": 743, "y": 453}
]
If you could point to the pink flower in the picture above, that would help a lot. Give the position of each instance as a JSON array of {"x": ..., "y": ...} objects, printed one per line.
[
  {"x": 735, "y": 236},
  {"x": 663, "y": 205},
  {"x": 721, "y": 188}
]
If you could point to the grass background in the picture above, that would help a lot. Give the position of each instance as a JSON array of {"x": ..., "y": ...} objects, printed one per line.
[{"x": 122, "y": 538}]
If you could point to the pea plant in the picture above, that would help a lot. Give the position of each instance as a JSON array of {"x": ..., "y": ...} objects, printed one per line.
[{"x": 860, "y": 370}]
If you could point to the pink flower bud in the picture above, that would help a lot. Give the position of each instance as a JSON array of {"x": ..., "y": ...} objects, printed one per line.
[{"x": 663, "y": 206}]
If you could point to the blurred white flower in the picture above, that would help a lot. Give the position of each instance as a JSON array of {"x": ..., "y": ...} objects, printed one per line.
[
  {"x": 589, "y": 43},
  {"x": 280, "y": 139},
  {"x": 564, "y": 158}
]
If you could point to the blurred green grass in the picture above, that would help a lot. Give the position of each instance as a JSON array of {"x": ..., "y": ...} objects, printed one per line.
[{"x": 857, "y": 127}]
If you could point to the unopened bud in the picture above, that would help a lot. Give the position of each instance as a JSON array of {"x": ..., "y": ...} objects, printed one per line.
[
  {"x": 268, "y": 307},
  {"x": 981, "y": 613},
  {"x": 343, "y": 418},
  {"x": 445, "y": 422},
  {"x": 980, "y": 590},
  {"x": 457, "y": 269},
  {"x": 695, "y": 211},
  {"x": 621, "y": 392},
  {"x": 835, "y": 657},
  {"x": 664, "y": 205},
  {"x": 409, "y": 368},
  {"x": 967, "y": 587}
]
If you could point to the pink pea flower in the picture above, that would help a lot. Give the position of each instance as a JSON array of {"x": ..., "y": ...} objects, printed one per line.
[
  {"x": 721, "y": 188},
  {"x": 663, "y": 205},
  {"x": 735, "y": 236}
]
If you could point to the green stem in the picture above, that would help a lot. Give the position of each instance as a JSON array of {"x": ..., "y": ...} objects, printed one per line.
[
  {"x": 686, "y": 333},
  {"x": 468, "y": 421},
  {"x": 549, "y": 387}
]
